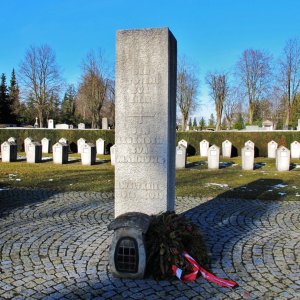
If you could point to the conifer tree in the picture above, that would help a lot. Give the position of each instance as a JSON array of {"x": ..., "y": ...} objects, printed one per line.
[
  {"x": 212, "y": 121},
  {"x": 4, "y": 103},
  {"x": 195, "y": 122},
  {"x": 68, "y": 106},
  {"x": 14, "y": 99},
  {"x": 202, "y": 123},
  {"x": 190, "y": 123}
]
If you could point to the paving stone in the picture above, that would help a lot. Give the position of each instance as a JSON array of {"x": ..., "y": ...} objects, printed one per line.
[{"x": 55, "y": 246}]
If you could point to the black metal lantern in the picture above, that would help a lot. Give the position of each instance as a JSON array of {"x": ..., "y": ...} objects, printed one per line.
[{"x": 128, "y": 251}]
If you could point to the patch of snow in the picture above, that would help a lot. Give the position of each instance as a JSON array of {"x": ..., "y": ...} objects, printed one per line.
[
  {"x": 221, "y": 185},
  {"x": 281, "y": 193},
  {"x": 279, "y": 186},
  {"x": 50, "y": 179},
  {"x": 18, "y": 179}
]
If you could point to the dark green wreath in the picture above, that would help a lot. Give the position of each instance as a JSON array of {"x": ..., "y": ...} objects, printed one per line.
[{"x": 168, "y": 236}]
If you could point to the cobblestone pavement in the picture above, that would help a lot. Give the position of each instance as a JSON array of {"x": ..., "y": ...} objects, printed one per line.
[{"x": 55, "y": 246}]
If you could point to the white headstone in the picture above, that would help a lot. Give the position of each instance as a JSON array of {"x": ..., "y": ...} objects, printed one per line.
[
  {"x": 88, "y": 154},
  {"x": 113, "y": 155},
  {"x": 12, "y": 139},
  {"x": 145, "y": 121},
  {"x": 51, "y": 124},
  {"x": 81, "y": 126},
  {"x": 250, "y": 144},
  {"x": 226, "y": 148},
  {"x": 295, "y": 149},
  {"x": 60, "y": 153},
  {"x": 63, "y": 140},
  {"x": 204, "y": 145},
  {"x": 62, "y": 126},
  {"x": 27, "y": 141},
  {"x": 8, "y": 151},
  {"x": 34, "y": 152},
  {"x": 80, "y": 144},
  {"x": 104, "y": 123},
  {"x": 247, "y": 158},
  {"x": 213, "y": 157},
  {"x": 272, "y": 147},
  {"x": 282, "y": 159},
  {"x": 183, "y": 142},
  {"x": 45, "y": 145},
  {"x": 100, "y": 146},
  {"x": 180, "y": 156}
]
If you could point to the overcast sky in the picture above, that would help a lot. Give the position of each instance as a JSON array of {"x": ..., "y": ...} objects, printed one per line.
[{"x": 211, "y": 33}]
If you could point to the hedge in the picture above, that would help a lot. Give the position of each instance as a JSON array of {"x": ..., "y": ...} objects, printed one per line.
[
  {"x": 238, "y": 138},
  {"x": 72, "y": 135}
]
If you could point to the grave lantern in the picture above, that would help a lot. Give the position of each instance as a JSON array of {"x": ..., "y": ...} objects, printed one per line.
[{"x": 128, "y": 251}]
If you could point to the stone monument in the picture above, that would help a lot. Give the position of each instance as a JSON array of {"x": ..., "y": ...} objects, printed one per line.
[
  {"x": 34, "y": 153},
  {"x": 8, "y": 151},
  {"x": 60, "y": 153},
  {"x": 104, "y": 123},
  {"x": 81, "y": 126},
  {"x": 226, "y": 148},
  {"x": 183, "y": 142},
  {"x": 12, "y": 139},
  {"x": 80, "y": 144},
  {"x": 112, "y": 152},
  {"x": 45, "y": 145},
  {"x": 213, "y": 157},
  {"x": 88, "y": 154},
  {"x": 250, "y": 144},
  {"x": 50, "y": 124},
  {"x": 295, "y": 149},
  {"x": 272, "y": 147},
  {"x": 204, "y": 145},
  {"x": 247, "y": 158},
  {"x": 146, "y": 65},
  {"x": 27, "y": 141},
  {"x": 282, "y": 159},
  {"x": 180, "y": 156},
  {"x": 100, "y": 146}
]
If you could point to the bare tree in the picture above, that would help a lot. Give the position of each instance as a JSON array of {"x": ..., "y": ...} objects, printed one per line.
[
  {"x": 41, "y": 77},
  {"x": 232, "y": 107},
  {"x": 218, "y": 84},
  {"x": 93, "y": 88},
  {"x": 289, "y": 76},
  {"x": 253, "y": 71},
  {"x": 187, "y": 89}
]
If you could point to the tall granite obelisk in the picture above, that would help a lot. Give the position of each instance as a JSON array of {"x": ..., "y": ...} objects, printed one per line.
[{"x": 146, "y": 66}]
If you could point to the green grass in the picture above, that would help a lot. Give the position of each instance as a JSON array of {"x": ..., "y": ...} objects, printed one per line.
[{"x": 196, "y": 180}]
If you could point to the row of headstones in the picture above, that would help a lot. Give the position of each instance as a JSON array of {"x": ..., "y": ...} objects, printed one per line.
[
  {"x": 34, "y": 151},
  {"x": 282, "y": 154}
]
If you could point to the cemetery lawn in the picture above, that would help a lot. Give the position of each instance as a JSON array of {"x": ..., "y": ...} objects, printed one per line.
[{"x": 229, "y": 181}]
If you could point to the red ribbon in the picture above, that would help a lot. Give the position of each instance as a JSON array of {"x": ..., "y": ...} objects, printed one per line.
[{"x": 205, "y": 274}]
